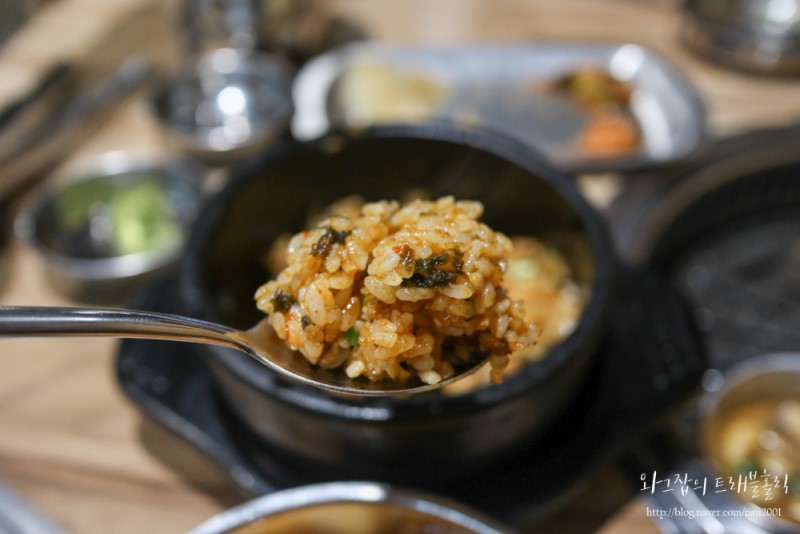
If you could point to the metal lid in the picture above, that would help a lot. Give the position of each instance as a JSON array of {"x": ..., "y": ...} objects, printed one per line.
[{"x": 761, "y": 36}]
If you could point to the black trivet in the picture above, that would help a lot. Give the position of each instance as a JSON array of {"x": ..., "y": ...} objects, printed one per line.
[{"x": 649, "y": 362}]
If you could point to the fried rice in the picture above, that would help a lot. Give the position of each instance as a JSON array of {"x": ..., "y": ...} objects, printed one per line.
[
  {"x": 539, "y": 275},
  {"x": 398, "y": 291}
]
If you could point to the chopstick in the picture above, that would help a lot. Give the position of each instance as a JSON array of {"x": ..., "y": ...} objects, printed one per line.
[
  {"x": 50, "y": 140},
  {"x": 22, "y": 118}
]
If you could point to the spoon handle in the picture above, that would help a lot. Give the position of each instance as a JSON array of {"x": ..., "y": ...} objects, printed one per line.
[{"x": 26, "y": 321}]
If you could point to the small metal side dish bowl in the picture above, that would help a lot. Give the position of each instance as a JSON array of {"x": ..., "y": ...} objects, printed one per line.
[
  {"x": 347, "y": 508},
  {"x": 226, "y": 104},
  {"x": 106, "y": 226},
  {"x": 760, "y": 36},
  {"x": 742, "y": 406}
]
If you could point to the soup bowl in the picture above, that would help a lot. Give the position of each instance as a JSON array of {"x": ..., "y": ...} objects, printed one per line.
[
  {"x": 750, "y": 432},
  {"x": 427, "y": 437},
  {"x": 349, "y": 508}
]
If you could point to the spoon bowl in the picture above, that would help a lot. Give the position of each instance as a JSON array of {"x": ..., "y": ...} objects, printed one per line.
[{"x": 260, "y": 342}]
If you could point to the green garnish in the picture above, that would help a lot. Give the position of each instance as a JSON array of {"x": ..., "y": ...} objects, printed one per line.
[
  {"x": 522, "y": 269},
  {"x": 329, "y": 237},
  {"x": 435, "y": 271},
  {"x": 133, "y": 219},
  {"x": 747, "y": 466},
  {"x": 794, "y": 486},
  {"x": 351, "y": 336},
  {"x": 282, "y": 301}
]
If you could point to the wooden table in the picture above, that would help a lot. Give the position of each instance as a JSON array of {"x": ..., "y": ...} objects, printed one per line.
[{"x": 71, "y": 444}]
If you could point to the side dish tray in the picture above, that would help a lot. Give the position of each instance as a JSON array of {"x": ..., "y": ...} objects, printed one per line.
[{"x": 514, "y": 89}]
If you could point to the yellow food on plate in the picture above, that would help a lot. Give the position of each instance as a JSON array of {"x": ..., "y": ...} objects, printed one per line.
[{"x": 373, "y": 92}]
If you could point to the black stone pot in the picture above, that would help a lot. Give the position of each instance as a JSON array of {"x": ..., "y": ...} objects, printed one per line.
[{"x": 428, "y": 436}]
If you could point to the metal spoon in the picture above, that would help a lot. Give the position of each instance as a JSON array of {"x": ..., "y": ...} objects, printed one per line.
[{"x": 260, "y": 342}]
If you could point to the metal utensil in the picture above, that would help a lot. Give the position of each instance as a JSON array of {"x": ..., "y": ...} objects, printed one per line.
[
  {"x": 759, "y": 36},
  {"x": 63, "y": 132},
  {"x": 260, "y": 342},
  {"x": 72, "y": 101},
  {"x": 226, "y": 104},
  {"x": 25, "y": 116},
  {"x": 18, "y": 517},
  {"x": 210, "y": 24}
]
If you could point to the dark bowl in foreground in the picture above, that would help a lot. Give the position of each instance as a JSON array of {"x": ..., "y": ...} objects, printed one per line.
[{"x": 427, "y": 436}]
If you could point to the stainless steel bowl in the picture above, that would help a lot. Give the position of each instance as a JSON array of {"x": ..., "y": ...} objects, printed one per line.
[
  {"x": 110, "y": 224},
  {"x": 349, "y": 508},
  {"x": 761, "y": 36},
  {"x": 764, "y": 379},
  {"x": 226, "y": 104}
]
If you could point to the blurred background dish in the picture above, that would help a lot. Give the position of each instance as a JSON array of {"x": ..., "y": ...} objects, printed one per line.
[
  {"x": 225, "y": 104},
  {"x": 759, "y": 36},
  {"x": 296, "y": 30},
  {"x": 587, "y": 106},
  {"x": 349, "y": 508},
  {"x": 117, "y": 221},
  {"x": 751, "y": 430},
  {"x": 724, "y": 229}
]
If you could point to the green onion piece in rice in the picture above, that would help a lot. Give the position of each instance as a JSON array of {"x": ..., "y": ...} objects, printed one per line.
[
  {"x": 351, "y": 336},
  {"x": 522, "y": 269}
]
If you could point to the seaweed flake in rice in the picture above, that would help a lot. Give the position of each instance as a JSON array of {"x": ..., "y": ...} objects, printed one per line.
[{"x": 397, "y": 291}]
